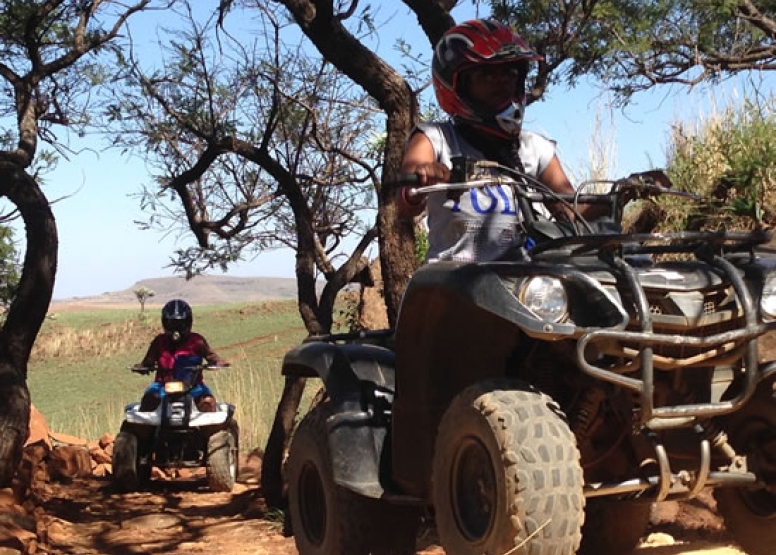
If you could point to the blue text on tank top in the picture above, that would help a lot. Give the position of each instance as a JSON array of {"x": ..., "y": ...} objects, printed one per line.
[{"x": 508, "y": 209}]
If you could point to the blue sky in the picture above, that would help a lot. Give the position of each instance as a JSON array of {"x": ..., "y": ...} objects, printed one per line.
[{"x": 102, "y": 250}]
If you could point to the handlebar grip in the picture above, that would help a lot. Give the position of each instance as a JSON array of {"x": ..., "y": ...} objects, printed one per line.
[
  {"x": 409, "y": 178},
  {"x": 404, "y": 180}
]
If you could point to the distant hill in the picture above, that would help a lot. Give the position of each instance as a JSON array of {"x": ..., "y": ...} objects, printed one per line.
[{"x": 200, "y": 290}]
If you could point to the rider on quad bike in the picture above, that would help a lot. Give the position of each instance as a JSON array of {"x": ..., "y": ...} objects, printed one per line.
[
  {"x": 178, "y": 423},
  {"x": 538, "y": 401},
  {"x": 177, "y": 342}
]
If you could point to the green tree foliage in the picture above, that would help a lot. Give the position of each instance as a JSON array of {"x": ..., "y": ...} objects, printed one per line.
[
  {"x": 50, "y": 64},
  {"x": 143, "y": 294},
  {"x": 9, "y": 267},
  {"x": 634, "y": 45},
  {"x": 243, "y": 115}
]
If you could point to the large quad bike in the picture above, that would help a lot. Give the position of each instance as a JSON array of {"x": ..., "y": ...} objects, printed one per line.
[
  {"x": 177, "y": 435},
  {"x": 541, "y": 404}
]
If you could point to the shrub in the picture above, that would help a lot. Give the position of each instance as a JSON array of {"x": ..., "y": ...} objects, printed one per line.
[{"x": 729, "y": 160}]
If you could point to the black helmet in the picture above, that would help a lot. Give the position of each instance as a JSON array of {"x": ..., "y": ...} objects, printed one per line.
[{"x": 177, "y": 319}]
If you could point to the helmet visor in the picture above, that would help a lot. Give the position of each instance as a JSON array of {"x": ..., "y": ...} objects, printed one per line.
[
  {"x": 176, "y": 325},
  {"x": 514, "y": 71},
  {"x": 509, "y": 79}
]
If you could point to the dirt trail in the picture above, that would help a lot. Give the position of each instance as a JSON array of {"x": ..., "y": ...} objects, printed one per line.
[
  {"x": 172, "y": 517},
  {"x": 181, "y": 517}
]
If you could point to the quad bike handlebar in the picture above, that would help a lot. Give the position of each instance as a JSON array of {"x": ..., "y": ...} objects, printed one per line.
[
  {"x": 470, "y": 174},
  {"x": 147, "y": 370},
  {"x": 639, "y": 185},
  {"x": 188, "y": 375}
]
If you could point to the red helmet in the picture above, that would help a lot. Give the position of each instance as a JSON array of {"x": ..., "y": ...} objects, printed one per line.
[{"x": 473, "y": 44}]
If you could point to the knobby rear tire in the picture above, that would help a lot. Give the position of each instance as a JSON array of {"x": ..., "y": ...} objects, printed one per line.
[
  {"x": 124, "y": 462},
  {"x": 222, "y": 459},
  {"x": 328, "y": 519}
]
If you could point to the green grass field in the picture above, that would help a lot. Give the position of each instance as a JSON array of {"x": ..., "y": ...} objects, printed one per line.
[{"x": 79, "y": 377}]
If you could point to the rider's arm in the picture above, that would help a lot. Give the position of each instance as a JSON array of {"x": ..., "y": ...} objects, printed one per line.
[
  {"x": 213, "y": 359},
  {"x": 555, "y": 178},
  {"x": 151, "y": 357},
  {"x": 419, "y": 158}
]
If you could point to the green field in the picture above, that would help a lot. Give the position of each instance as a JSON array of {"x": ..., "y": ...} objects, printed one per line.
[{"x": 79, "y": 377}]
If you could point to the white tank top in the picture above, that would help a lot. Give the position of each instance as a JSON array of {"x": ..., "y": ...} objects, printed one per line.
[{"x": 483, "y": 224}]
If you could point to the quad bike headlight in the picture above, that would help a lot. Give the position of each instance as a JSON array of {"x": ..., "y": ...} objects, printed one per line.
[
  {"x": 546, "y": 297},
  {"x": 768, "y": 298},
  {"x": 174, "y": 387}
]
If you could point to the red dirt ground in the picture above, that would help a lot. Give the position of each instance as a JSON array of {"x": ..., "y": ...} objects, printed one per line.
[{"x": 181, "y": 518}]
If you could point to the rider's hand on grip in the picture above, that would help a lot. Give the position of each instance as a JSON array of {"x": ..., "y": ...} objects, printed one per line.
[
  {"x": 431, "y": 172},
  {"x": 409, "y": 179},
  {"x": 658, "y": 177},
  {"x": 411, "y": 203},
  {"x": 417, "y": 175},
  {"x": 641, "y": 184}
]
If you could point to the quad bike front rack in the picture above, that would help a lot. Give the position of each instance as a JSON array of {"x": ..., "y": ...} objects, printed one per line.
[
  {"x": 743, "y": 340},
  {"x": 660, "y": 482}
]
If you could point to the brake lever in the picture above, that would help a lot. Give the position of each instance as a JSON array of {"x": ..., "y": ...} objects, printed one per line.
[
  {"x": 645, "y": 188},
  {"x": 666, "y": 191}
]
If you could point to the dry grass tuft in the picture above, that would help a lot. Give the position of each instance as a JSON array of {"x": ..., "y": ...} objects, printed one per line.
[
  {"x": 108, "y": 339},
  {"x": 728, "y": 158}
]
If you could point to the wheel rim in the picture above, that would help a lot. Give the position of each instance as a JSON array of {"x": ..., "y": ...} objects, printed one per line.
[
  {"x": 312, "y": 504},
  {"x": 474, "y": 491}
]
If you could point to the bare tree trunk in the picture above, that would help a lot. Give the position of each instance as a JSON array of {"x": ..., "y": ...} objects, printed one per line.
[
  {"x": 318, "y": 20},
  {"x": 285, "y": 418},
  {"x": 26, "y": 312},
  {"x": 397, "y": 234},
  {"x": 14, "y": 420}
]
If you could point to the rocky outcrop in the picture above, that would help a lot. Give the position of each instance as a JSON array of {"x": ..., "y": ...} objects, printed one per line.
[{"x": 46, "y": 457}]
